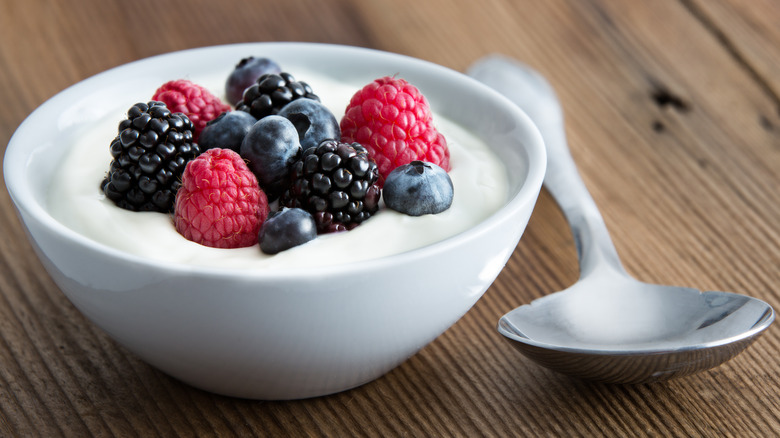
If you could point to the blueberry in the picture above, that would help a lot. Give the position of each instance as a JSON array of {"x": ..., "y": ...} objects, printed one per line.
[
  {"x": 227, "y": 131},
  {"x": 418, "y": 188},
  {"x": 245, "y": 74},
  {"x": 313, "y": 120},
  {"x": 285, "y": 229},
  {"x": 271, "y": 147}
]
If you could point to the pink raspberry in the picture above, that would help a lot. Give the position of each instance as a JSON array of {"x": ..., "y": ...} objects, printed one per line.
[
  {"x": 183, "y": 96},
  {"x": 394, "y": 122},
  {"x": 220, "y": 203}
]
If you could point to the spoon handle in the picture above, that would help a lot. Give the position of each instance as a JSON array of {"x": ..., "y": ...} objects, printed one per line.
[
  {"x": 534, "y": 95},
  {"x": 591, "y": 237}
]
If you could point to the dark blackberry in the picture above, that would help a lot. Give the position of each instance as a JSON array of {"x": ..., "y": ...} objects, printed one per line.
[
  {"x": 337, "y": 183},
  {"x": 150, "y": 152},
  {"x": 271, "y": 92}
]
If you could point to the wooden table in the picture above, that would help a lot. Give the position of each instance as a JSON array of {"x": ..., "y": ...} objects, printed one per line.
[{"x": 673, "y": 115}]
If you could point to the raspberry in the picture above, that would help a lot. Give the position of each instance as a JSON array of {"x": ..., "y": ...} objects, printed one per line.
[
  {"x": 220, "y": 203},
  {"x": 193, "y": 100},
  {"x": 393, "y": 121}
]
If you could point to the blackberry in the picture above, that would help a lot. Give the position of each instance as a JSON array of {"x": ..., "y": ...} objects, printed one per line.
[
  {"x": 150, "y": 152},
  {"x": 271, "y": 92},
  {"x": 337, "y": 183}
]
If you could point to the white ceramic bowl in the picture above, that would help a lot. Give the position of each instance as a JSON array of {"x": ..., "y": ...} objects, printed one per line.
[{"x": 279, "y": 334}]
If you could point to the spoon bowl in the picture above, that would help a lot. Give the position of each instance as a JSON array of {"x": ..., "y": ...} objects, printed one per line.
[
  {"x": 608, "y": 326},
  {"x": 623, "y": 331}
]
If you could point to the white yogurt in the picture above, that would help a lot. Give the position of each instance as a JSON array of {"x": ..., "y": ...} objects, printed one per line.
[{"x": 76, "y": 200}]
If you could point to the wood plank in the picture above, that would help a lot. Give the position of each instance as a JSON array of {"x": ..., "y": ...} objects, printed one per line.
[{"x": 752, "y": 33}]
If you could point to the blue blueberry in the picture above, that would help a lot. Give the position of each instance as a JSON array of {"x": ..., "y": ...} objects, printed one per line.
[
  {"x": 245, "y": 74},
  {"x": 285, "y": 229},
  {"x": 271, "y": 147},
  {"x": 313, "y": 120},
  {"x": 418, "y": 188},
  {"x": 227, "y": 131}
]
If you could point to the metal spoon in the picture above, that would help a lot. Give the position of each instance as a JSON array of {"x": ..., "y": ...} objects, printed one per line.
[{"x": 608, "y": 326}]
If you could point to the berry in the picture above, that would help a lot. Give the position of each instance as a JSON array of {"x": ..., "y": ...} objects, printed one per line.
[
  {"x": 272, "y": 92},
  {"x": 313, "y": 120},
  {"x": 220, "y": 203},
  {"x": 418, "y": 188},
  {"x": 393, "y": 121},
  {"x": 337, "y": 183},
  {"x": 271, "y": 147},
  {"x": 245, "y": 74},
  {"x": 149, "y": 155},
  {"x": 227, "y": 131},
  {"x": 285, "y": 229},
  {"x": 193, "y": 100}
]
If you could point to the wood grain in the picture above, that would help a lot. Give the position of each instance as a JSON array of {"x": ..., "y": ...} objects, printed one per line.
[{"x": 673, "y": 115}]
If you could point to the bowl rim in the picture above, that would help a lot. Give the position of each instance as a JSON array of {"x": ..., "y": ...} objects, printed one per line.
[{"x": 17, "y": 153}]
